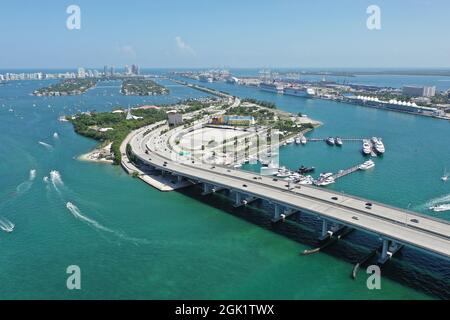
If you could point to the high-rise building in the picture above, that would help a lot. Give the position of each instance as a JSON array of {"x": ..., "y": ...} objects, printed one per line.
[
  {"x": 419, "y": 91},
  {"x": 105, "y": 71},
  {"x": 429, "y": 91},
  {"x": 81, "y": 73},
  {"x": 111, "y": 71},
  {"x": 134, "y": 69},
  {"x": 128, "y": 70}
]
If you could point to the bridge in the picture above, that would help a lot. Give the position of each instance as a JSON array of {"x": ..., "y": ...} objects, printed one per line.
[{"x": 395, "y": 227}]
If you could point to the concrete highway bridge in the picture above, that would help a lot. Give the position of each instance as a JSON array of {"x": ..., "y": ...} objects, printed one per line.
[{"x": 395, "y": 227}]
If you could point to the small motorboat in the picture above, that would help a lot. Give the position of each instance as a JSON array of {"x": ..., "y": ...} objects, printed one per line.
[
  {"x": 303, "y": 169},
  {"x": 330, "y": 141},
  {"x": 339, "y": 142},
  {"x": 303, "y": 140},
  {"x": 440, "y": 208}
]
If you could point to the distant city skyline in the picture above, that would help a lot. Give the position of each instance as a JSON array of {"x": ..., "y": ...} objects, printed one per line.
[{"x": 225, "y": 34}]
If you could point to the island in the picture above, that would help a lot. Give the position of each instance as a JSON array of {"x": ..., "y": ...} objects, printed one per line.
[
  {"x": 142, "y": 87},
  {"x": 68, "y": 87}
]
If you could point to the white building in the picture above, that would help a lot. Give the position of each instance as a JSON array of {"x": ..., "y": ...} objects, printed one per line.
[{"x": 174, "y": 118}]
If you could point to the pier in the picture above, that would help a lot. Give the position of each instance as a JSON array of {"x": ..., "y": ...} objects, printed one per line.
[{"x": 346, "y": 172}]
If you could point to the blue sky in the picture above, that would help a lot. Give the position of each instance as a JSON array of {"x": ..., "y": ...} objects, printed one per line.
[{"x": 225, "y": 33}]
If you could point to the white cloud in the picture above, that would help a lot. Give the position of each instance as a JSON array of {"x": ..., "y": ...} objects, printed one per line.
[
  {"x": 127, "y": 51},
  {"x": 183, "y": 46}
]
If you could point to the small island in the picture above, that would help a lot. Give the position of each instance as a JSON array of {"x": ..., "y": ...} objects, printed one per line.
[
  {"x": 67, "y": 88},
  {"x": 142, "y": 87}
]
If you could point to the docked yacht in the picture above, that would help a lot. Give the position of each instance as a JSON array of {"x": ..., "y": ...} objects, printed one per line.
[
  {"x": 303, "y": 140},
  {"x": 369, "y": 164},
  {"x": 330, "y": 141},
  {"x": 339, "y": 142},
  {"x": 283, "y": 173},
  {"x": 366, "y": 148},
  {"x": 290, "y": 140},
  {"x": 303, "y": 169},
  {"x": 307, "y": 180},
  {"x": 297, "y": 140},
  {"x": 379, "y": 147},
  {"x": 325, "y": 182},
  {"x": 440, "y": 208}
]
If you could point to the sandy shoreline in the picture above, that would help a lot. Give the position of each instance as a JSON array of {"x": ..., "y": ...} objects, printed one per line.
[{"x": 97, "y": 155}]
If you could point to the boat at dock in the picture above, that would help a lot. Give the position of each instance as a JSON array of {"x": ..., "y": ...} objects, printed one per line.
[
  {"x": 325, "y": 181},
  {"x": 379, "y": 147},
  {"x": 330, "y": 141},
  {"x": 303, "y": 169},
  {"x": 303, "y": 140},
  {"x": 366, "y": 148},
  {"x": 290, "y": 141},
  {"x": 339, "y": 142},
  {"x": 297, "y": 140},
  {"x": 369, "y": 164}
]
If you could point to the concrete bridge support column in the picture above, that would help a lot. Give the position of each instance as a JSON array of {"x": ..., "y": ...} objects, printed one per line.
[
  {"x": 384, "y": 251},
  {"x": 324, "y": 234},
  {"x": 207, "y": 189},
  {"x": 388, "y": 249},
  {"x": 276, "y": 212},
  {"x": 179, "y": 179},
  {"x": 237, "y": 199}
]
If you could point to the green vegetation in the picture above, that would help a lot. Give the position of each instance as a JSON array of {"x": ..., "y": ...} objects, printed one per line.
[
  {"x": 89, "y": 126},
  {"x": 142, "y": 87},
  {"x": 67, "y": 87},
  {"x": 265, "y": 104}
]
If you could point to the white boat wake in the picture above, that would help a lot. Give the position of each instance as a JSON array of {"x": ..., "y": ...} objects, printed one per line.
[
  {"x": 56, "y": 180},
  {"x": 438, "y": 200},
  {"x": 79, "y": 215},
  {"x": 26, "y": 185},
  {"x": 46, "y": 145},
  {"x": 6, "y": 225},
  {"x": 55, "y": 135}
]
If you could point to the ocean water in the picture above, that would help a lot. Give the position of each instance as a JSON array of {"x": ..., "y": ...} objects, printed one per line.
[{"x": 133, "y": 242}]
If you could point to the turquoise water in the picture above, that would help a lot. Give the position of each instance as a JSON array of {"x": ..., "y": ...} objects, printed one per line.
[{"x": 132, "y": 241}]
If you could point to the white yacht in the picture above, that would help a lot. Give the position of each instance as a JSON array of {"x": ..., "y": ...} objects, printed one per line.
[
  {"x": 290, "y": 140},
  {"x": 297, "y": 140},
  {"x": 440, "y": 208},
  {"x": 366, "y": 148},
  {"x": 307, "y": 180},
  {"x": 283, "y": 173},
  {"x": 303, "y": 140},
  {"x": 339, "y": 142},
  {"x": 325, "y": 182},
  {"x": 367, "y": 165},
  {"x": 330, "y": 141},
  {"x": 379, "y": 147}
]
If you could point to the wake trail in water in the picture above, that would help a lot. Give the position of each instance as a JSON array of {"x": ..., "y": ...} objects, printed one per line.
[
  {"x": 6, "y": 225},
  {"x": 26, "y": 185},
  {"x": 46, "y": 145},
  {"x": 79, "y": 215},
  {"x": 56, "y": 180},
  {"x": 436, "y": 201},
  {"x": 55, "y": 135}
]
